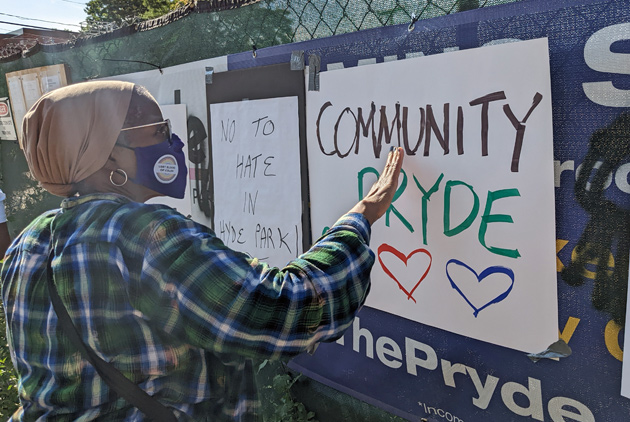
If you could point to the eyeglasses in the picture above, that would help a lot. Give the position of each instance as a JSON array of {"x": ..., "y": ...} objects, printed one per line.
[{"x": 165, "y": 129}]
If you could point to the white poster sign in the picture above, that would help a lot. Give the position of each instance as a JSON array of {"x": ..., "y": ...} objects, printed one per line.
[
  {"x": 468, "y": 244},
  {"x": 7, "y": 129},
  {"x": 257, "y": 183}
]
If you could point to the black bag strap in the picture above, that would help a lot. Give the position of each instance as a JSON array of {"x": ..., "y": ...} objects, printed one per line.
[{"x": 148, "y": 405}]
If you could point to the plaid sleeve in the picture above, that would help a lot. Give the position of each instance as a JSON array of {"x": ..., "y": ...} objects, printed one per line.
[{"x": 212, "y": 297}]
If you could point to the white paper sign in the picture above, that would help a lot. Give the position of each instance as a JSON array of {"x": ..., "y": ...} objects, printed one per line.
[
  {"x": 469, "y": 243},
  {"x": 31, "y": 89},
  {"x": 256, "y": 168},
  {"x": 49, "y": 82},
  {"x": 7, "y": 129},
  {"x": 17, "y": 101}
]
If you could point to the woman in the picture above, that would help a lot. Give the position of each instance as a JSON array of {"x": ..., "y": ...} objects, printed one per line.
[{"x": 153, "y": 293}]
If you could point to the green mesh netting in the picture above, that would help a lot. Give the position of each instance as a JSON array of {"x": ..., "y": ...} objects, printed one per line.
[{"x": 203, "y": 33}]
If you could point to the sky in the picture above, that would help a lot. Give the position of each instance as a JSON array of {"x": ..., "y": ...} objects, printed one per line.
[{"x": 53, "y": 14}]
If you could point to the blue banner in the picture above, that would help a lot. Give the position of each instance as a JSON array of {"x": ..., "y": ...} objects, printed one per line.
[{"x": 443, "y": 376}]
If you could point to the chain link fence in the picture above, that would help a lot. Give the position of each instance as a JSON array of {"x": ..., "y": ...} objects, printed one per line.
[{"x": 215, "y": 28}]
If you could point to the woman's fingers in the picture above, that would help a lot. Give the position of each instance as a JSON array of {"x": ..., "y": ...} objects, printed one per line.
[{"x": 380, "y": 196}]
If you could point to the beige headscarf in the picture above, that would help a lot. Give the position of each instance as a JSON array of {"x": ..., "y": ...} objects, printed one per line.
[{"x": 70, "y": 132}]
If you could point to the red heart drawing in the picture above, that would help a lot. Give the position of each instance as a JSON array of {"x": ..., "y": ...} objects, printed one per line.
[{"x": 387, "y": 248}]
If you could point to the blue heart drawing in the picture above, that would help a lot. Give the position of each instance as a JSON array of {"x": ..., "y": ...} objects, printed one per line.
[{"x": 480, "y": 277}]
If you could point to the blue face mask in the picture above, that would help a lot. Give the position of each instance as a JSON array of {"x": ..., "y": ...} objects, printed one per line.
[{"x": 162, "y": 167}]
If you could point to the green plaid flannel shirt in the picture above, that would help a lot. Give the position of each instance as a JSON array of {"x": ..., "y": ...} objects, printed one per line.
[{"x": 168, "y": 304}]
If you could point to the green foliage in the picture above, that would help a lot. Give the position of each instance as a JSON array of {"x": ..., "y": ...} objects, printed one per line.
[
  {"x": 117, "y": 11},
  {"x": 289, "y": 410},
  {"x": 125, "y": 11},
  {"x": 8, "y": 379},
  {"x": 286, "y": 409},
  {"x": 157, "y": 8}
]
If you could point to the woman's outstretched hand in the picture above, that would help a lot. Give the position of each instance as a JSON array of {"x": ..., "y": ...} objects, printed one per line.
[{"x": 380, "y": 196}]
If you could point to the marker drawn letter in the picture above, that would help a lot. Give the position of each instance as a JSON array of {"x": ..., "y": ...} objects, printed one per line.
[
  {"x": 385, "y": 129},
  {"x": 319, "y": 138},
  {"x": 497, "y": 218},
  {"x": 485, "y": 104},
  {"x": 432, "y": 126},
  {"x": 520, "y": 129},
  {"x": 356, "y": 132},
  {"x": 363, "y": 126},
  {"x": 408, "y": 149},
  {"x": 447, "y": 209},
  {"x": 426, "y": 197}
]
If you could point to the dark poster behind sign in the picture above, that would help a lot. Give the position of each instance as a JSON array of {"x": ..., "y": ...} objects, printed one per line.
[
  {"x": 273, "y": 81},
  {"x": 443, "y": 376}
]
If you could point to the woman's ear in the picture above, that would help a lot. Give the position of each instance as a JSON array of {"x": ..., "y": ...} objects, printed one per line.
[{"x": 122, "y": 158}]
